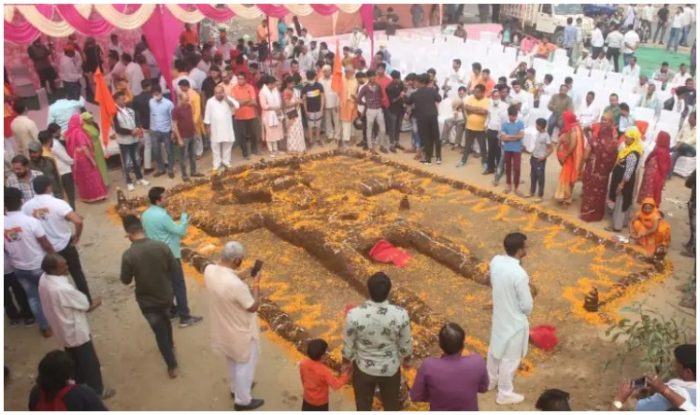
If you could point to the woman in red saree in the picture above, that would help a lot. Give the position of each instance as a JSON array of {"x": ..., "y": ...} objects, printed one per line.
[
  {"x": 656, "y": 169},
  {"x": 570, "y": 155},
  {"x": 87, "y": 176},
  {"x": 598, "y": 161}
]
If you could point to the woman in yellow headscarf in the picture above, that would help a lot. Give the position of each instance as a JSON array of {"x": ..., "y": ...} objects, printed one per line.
[
  {"x": 650, "y": 230},
  {"x": 621, "y": 191},
  {"x": 93, "y": 131}
]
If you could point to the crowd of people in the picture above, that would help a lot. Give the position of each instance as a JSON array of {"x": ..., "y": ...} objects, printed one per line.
[{"x": 283, "y": 95}]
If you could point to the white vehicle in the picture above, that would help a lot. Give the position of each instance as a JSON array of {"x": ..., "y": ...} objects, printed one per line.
[{"x": 547, "y": 19}]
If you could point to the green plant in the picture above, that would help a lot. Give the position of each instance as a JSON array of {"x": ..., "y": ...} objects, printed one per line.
[{"x": 652, "y": 335}]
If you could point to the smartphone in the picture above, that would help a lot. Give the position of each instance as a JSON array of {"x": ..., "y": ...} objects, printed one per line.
[
  {"x": 256, "y": 268},
  {"x": 639, "y": 383}
]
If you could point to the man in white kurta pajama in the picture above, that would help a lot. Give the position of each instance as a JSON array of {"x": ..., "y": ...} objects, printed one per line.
[
  {"x": 219, "y": 122},
  {"x": 234, "y": 323},
  {"x": 512, "y": 303}
]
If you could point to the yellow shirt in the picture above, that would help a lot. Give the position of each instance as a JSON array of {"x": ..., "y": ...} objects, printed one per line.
[
  {"x": 196, "y": 103},
  {"x": 477, "y": 122}
]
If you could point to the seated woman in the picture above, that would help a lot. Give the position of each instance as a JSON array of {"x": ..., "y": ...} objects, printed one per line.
[{"x": 650, "y": 230}]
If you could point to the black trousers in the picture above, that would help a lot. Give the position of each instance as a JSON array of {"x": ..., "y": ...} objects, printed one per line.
[
  {"x": 537, "y": 176},
  {"x": 69, "y": 187},
  {"x": 305, "y": 406},
  {"x": 87, "y": 366},
  {"x": 159, "y": 320},
  {"x": 14, "y": 289},
  {"x": 494, "y": 152},
  {"x": 429, "y": 132},
  {"x": 614, "y": 55},
  {"x": 246, "y": 132},
  {"x": 364, "y": 386},
  {"x": 70, "y": 254}
]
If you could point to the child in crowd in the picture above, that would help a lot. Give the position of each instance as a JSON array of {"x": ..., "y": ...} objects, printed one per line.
[
  {"x": 538, "y": 159},
  {"x": 316, "y": 377},
  {"x": 512, "y": 133}
]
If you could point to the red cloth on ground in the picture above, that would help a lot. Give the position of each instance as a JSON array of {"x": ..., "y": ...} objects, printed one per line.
[
  {"x": 384, "y": 251},
  {"x": 544, "y": 337}
]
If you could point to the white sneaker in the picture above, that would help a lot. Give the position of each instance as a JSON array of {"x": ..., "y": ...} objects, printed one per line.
[
  {"x": 510, "y": 399},
  {"x": 143, "y": 182},
  {"x": 130, "y": 187}
]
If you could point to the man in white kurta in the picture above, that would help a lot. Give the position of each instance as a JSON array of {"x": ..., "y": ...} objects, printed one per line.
[
  {"x": 218, "y": 120},
  {"x": 234, "y": 324},
  {"x": 512, "y": 303}
]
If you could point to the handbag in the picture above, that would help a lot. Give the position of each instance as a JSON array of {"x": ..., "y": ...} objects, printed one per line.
[{"x": 292, "y": 114}]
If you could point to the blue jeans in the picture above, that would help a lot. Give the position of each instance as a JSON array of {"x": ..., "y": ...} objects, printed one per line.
[
  {"x": 188, "y": 154},
  {"x": 414, "y": 134},
  {"x": 674, "y": 38},
  {"x": 553, "y": 122},
  {"x": 684, "y": 35},
  {"x": 130, "y": 160},
  {"x": 681, "y": 150},
  {"x": 29, "y": 279},
  {"x": 178, "y": 280},
  {"x": 158, "y": 138}
]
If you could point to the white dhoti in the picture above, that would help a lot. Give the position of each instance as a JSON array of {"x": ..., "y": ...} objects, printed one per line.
[
  {"x": 346, "y": 130},
  {"x": 241, "y": 375},
  {"x": 221, "y": 154}
]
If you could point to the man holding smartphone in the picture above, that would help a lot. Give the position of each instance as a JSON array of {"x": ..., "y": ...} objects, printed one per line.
[{"x": 234, "y": 324}]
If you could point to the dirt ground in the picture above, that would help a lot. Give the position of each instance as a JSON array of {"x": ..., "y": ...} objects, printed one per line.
[{"x": 132, "y": 365}]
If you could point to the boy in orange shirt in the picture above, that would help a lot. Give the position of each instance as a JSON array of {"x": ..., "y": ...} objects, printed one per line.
[{"x": 316, "y": 377}]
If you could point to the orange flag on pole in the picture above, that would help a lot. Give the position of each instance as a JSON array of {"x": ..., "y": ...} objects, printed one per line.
[
  {"x": 108, "y": 109},
  {"x": 337, "y": 80}
]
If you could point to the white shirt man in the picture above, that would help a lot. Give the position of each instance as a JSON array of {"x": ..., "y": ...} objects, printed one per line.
[
  {"x": 134, "y": 76},
  {"x": 217, "y": 117},
  {"x": 678, "y": 20},
  {"x": 597, "y": 40},
  {"x": 70, "y": 68},
  {"x": 234, "y": 324},
  {"x": 648, "y": 13},
  {"x": 602, "y": 63},
  {"x": 681, "y": 77},
  {"x": 64, "y": 162},
  {"x": 197, "y": 76},
  {"x": 688, "y": 15},
  {"x": 331, "y": 102},
  {"x": 588, "y": 113},
  {"x": 631, "y": 40},
  {"x": 53, "y": 214},
  {"x": 306, "y": 62},
  {"x": 631, "y": 70},
  {"x": 615, "y": 39},
  {"x": 457, "y": 77},
  {"x": 585, "y": 63},
  {"x": 512, "y": 304},
  {"x": 24, "y": 130}
]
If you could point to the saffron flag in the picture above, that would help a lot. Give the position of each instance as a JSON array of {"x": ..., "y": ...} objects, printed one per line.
[
  {"x": 337, "y": 80},
  {"x": 108, "y": 109}
]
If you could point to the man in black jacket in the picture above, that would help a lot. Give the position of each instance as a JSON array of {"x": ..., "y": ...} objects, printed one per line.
[{"x": 425, "y": 101}]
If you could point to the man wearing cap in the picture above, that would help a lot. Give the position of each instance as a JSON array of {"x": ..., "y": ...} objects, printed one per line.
[
  {"x": 45, "y": 165},
  {"x": 234, "y": 324},
  {"x": 70, "y": 70}
]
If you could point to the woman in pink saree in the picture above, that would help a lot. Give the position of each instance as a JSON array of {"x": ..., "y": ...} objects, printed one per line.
[{"x": 87, "y": 176}]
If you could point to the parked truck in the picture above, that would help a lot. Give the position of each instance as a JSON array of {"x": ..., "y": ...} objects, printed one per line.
[{"x": 546, "y": 19}]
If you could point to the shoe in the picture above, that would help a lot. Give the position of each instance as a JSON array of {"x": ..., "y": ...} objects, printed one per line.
[
  {"x": 108, "y": 393},
  {"x": 148, "y": 171},
  {"x": 539, "y": 200},
  {"x": 46, "y": 333},
  {"x": 196, "y": 175},
  {"x": 15, "y": 323},
  {"x": 399, "y": 146},
  {"x": 158, "y": 173},
  {"x": 511, "y": 399},
  {"x": 254, "y": 404},
  {"x": 185, "y": 179},
  {"x": 392, "y": 149},
  {"x": 487, "y": 172},
  {"x": 460, "y": 164},
  {"x": 383, "y": 150},
  {"x": 172, "y": 373},
  {"x": 130, "y": 187},
  {"x": 438, "y": 162},
  {"x": 29, "y": 322},
  {"x": 171, "y": 175},
  {"x": 530, "y": 196},
  {"x": 191, "y": 321},
  {"x": 173, "y": 314},
  {"x": 143, "y": 182},
  {"x": 362, "y": 144},
  {"x": 426, "y": 162}
]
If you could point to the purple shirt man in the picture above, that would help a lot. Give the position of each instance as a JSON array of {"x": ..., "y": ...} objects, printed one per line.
[{"x": 451, "y": 382}]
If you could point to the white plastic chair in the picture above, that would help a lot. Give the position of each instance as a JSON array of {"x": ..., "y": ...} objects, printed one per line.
[
  {"x": 614, "y": 78},
  {"x": 644, "y": 114},
  {"x": 670, "y": 117},
  {"x": 597, "y": 77}
]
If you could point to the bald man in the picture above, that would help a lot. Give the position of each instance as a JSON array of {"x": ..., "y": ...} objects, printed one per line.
[{"x": 219, "y": 125}]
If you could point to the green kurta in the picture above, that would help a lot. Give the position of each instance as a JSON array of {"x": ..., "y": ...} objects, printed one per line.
[{"x": 99, "y": 155}]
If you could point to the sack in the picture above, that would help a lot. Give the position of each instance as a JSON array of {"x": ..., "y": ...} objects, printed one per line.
[
  {"x": 544, "y": 337},
  {"x": 292, "y": 114},
  {"x": 56, "y": 404}
]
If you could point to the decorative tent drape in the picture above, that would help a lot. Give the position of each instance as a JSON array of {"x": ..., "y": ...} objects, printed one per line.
[{"x": 95, "y": 20}]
